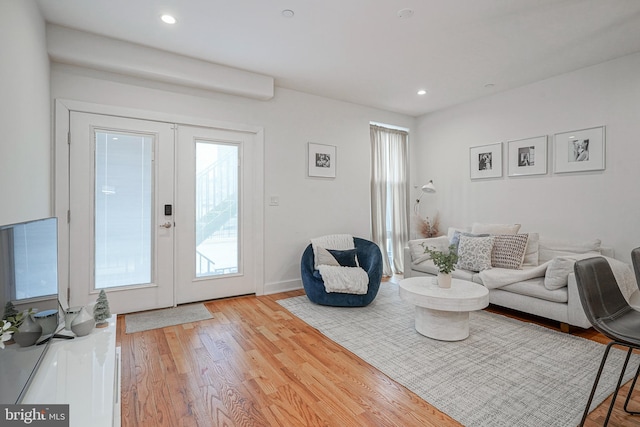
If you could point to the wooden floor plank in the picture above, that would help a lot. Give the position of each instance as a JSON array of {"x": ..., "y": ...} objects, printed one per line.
[{"x": 255, "y": 364}]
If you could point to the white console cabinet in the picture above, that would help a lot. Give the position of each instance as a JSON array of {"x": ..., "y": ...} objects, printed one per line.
[{"x": 85, "y": 373}]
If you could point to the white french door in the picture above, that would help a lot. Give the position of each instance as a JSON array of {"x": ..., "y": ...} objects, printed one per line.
[
  {"x": 121, "y": 175},
  {"x": 160, "y": 214},
  {"x": 215, "y": 214}
]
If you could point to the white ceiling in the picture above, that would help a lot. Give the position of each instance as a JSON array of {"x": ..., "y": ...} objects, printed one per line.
[{"x": 361, "y": 51}]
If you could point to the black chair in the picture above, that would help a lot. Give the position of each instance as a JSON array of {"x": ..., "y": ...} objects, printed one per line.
[
  {"x": 635, "y": 258},
  {"x": 611, "y": 315}
]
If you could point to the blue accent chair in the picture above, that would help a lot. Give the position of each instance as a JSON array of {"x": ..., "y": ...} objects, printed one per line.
[{"x": 369, "y": 258}]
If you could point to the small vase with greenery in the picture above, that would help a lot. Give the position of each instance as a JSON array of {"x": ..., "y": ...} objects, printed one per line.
[
  {"x": 446, "y": 263},
  {"x": 6, "y": 332},
  {"x": 11, "y": 323},
  {"x": 18, "y": 319}
]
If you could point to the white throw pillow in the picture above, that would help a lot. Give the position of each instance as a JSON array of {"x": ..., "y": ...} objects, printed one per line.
[
  {"x": 416, "y": 247},
  {"x": 531, "y": 253},
  {"x": 474, "y": 253},
  {"x": 557, "y": 275},
  {"x": 508, "y": 250},
  {"x": 480, "y": 228},
  {"x": 551, "y": 248},
  {"x": 324, "y": 257}
]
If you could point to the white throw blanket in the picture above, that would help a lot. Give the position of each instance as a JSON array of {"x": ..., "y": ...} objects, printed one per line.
[
  {"x": 499, "y": 277},
  {"x": 346, "y": 280}
]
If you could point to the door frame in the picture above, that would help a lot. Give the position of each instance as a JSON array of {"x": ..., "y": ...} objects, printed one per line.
[{"x": 60, "y": 184}]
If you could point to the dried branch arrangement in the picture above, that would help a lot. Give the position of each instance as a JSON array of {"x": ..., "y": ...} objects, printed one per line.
[{"x": 426, "y": 228}]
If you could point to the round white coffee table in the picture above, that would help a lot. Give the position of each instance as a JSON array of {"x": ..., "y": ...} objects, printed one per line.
[{"x": 443, "y": 314}]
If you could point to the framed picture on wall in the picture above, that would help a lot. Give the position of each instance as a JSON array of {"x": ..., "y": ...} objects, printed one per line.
[
  {"x": 322, "y": 160},
  {"x": 485, "y": 161},
  {"x": 527, "y": 156},
  {"x": 579, "y": 150}
]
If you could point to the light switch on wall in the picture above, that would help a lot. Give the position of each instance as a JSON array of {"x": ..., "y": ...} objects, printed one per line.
[{"x": 274, "y": 201}]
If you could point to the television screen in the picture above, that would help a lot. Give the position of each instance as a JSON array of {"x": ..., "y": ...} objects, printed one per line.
[{"x": 28, "y": 282}]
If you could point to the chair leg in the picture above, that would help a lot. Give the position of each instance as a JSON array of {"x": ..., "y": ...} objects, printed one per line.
[
  {"x": 595, "y": 383},
  {"x": 615, "y": 394},
  {"x": 626, "y": 402}
]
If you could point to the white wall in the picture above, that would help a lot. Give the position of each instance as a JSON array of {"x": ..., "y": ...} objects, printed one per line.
[
  {"x": 25, "y": 145},
  {"x": 603, "y": 204},
  {"x": 308, "y": 207}
]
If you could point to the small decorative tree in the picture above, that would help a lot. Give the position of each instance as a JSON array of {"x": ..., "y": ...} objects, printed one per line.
[
  {"x": 101, "y": 310},
  {"x": 9, "y": 311},
  {"x": 444, "y": 260},
  {"x": 446, "y": 263}
]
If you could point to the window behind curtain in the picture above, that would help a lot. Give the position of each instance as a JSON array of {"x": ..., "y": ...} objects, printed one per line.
[{"x": 389, "y": 152}]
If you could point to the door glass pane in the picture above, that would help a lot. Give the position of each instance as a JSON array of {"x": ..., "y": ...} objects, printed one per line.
[
  {"x": 123, "y": 209},
  {"x": 216, "y": 209}
]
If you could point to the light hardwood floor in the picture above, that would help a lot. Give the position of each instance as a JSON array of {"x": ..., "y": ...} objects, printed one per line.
[{"x": 254, "y": 364}]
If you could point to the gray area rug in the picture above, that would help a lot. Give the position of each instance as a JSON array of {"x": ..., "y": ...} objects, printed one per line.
[
  {"x": 166, "y": 317},
  {"x": 507, "y": 373}
]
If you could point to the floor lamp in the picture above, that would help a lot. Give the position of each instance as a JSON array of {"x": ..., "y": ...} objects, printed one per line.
[{"x": 427, "y": 188}]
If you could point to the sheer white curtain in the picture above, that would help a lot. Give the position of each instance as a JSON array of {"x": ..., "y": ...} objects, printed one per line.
[{"x": 389, "y": 149}]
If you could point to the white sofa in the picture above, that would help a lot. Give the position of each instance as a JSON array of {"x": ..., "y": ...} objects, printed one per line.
[{"x": 544, "y": 285}]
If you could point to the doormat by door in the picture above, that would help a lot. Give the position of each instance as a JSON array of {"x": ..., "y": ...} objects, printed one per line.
[{"x": 157, "y": 319}]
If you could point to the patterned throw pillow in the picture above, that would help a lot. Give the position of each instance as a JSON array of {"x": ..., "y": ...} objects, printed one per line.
[
  {"x": 508, "y": 250},
  {"x": 474, "y": 253},
  {"x": 455, "y": 240}
]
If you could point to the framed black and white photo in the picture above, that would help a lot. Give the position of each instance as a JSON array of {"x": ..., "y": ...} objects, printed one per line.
[
  {"x": 527, "y": 156},
  {"x": 579, "y": 150},
  {"x": 322, "y": 160},
  {"x": 485, "y": 161}
]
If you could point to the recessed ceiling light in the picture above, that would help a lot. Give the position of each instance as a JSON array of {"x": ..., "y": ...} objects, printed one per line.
[
  {"x": 422, "y": 92},
  {"x": 489, "y": 85},
  {"x": 168, "y": 19},
  {"x": 288, "y": 13},
  {"x": 405, "y": 13}
]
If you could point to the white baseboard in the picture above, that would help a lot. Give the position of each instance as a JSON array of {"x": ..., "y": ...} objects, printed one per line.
[{"x": 287, "y": 285}]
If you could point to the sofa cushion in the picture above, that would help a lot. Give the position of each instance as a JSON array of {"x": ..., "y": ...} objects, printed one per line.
[
  {"x": 481, "y": 228},
  {"x": 559, "y": 268},
  {"x": 430, "y": 268},
  {"x": 474, "y": 253},
  {"x": 531, "y": 253},
  {"x": 508, "y": 250},
  {"x": 535, "y": 288},
  {"x": 426, "y": 266},
  {"x": 416, "y": 247},
  {"x": 475, "y": 278},
  {"x": 551, "y": 248},
  {"x": 459, "y": 273}
]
